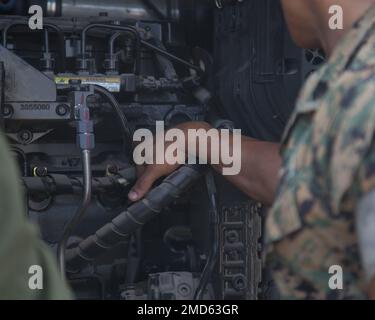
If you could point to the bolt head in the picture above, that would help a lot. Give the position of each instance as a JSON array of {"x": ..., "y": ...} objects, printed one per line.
[{"x": 62, "y": 110}]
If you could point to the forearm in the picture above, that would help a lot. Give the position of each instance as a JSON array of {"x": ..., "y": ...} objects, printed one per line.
[{"x": 260, "y": 163}]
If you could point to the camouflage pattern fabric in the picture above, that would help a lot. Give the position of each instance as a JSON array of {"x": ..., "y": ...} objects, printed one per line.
[{"x": 328, "y": 154}]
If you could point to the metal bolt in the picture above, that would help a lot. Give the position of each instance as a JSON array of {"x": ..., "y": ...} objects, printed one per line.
[
  {"x": 239, "y": 282},
  {"x": 25, "y": 136},
  {"x": 184, "y": 290},
  {"x": 232, "y": 236},
  {"x": 62, "y": 110},
  {"x": 7, "y": 110}
]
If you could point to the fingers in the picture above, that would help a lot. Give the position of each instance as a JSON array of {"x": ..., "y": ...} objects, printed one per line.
[{"x": 143, "y": 184}]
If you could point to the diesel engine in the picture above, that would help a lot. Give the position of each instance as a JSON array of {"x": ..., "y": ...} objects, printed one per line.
[{"x": 74, "y": 92}]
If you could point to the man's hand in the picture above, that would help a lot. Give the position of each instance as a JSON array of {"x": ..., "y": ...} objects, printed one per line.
[
  {"x": 258, "y": 177},
  {"x": 148, "y": 174}
]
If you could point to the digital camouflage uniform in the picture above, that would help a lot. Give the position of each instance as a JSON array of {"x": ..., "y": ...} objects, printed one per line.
[
  {"x": 328, "y": 154},
  {"x": 20, "y": 247}
]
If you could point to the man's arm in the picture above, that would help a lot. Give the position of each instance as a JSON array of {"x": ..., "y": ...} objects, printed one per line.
[
  {"x": 258, "y": 178},
  {"x": 261, "y": 164}
]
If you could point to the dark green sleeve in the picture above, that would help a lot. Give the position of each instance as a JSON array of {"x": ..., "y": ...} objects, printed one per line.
[{"x": 20, "y": 247}]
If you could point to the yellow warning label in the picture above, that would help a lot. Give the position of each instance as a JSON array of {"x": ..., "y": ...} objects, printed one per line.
[{"x": 112, "y": 84}]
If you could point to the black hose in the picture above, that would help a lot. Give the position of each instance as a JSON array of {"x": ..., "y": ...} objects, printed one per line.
[
  {"x": 133, "y": 218},
  {"x": 120, "y": 115},
  {"x": 86, "y": 161},
  {"x": 171, "y": 56}
]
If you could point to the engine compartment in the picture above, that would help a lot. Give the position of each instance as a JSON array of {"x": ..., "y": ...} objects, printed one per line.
[{"x": 103, "y": 71}]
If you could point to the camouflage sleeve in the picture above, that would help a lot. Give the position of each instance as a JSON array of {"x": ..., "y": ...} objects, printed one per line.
[
  {"x": 351, "y": 168},
  {"x": 366, "y": 172},
  {"x": 27, "y": 268},
  {"x": 365, "y": 223},
  {"x": 365, "y": 213}
]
